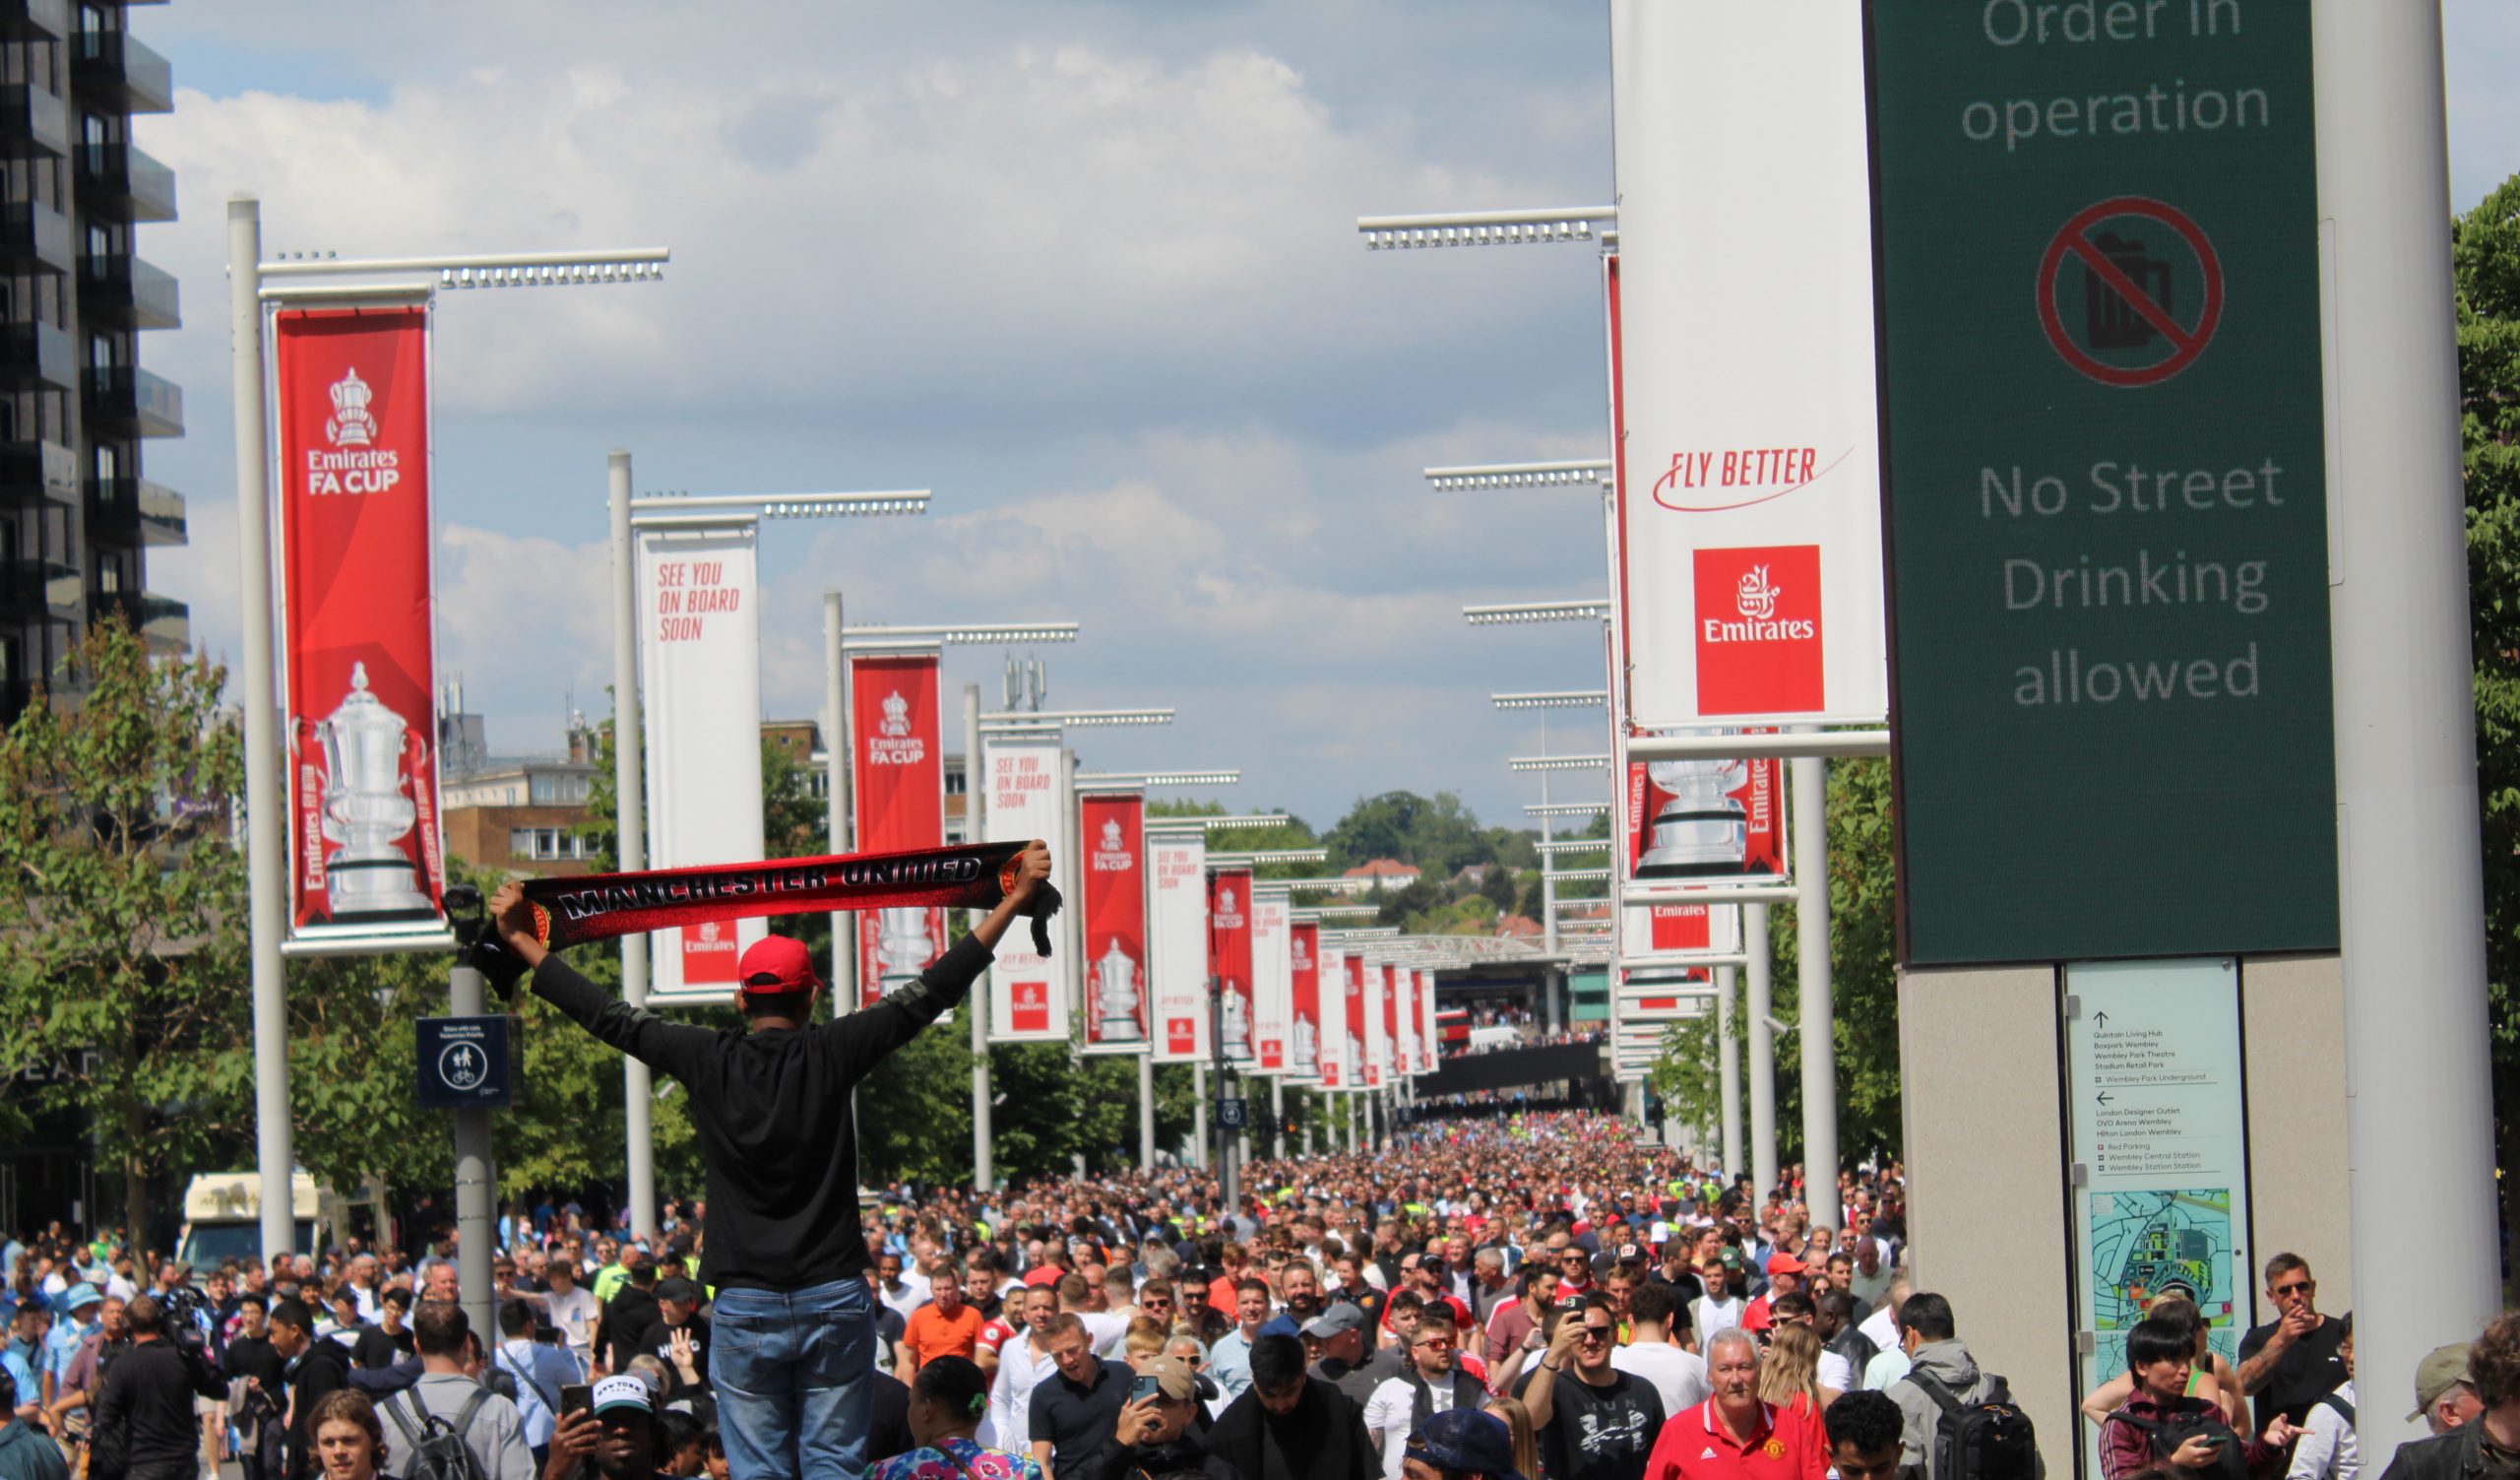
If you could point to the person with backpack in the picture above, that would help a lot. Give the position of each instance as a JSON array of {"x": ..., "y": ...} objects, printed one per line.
[
  {"x": 447, "y": 1426},
  {"x": 540, "y": 1369},
  {"x": 1960, "y": 1422},
  {"x": 2161, "y": 1426}
]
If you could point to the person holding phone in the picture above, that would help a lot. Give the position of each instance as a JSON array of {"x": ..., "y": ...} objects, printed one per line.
[{"x": 1152, "y": 1436}]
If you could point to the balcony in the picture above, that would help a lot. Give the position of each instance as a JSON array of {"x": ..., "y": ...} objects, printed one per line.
[
  {"x": 123, "y": 290},
  {"x": 128, "y": 399},
  {"x": 109, "y": 67},
  {"x": 33, "y": 122},
  {"x": 34, "y": 19},
  {"x": 34, "y": 474},
  {"x": 34, "y": 356},
  {"x": 35, "y": 238},
  {"x": 38, "y": 590},
  {"x": 134, "y": 511},
  {"x": 124, "y": 182},
  {"x": 164, "y": 622}
]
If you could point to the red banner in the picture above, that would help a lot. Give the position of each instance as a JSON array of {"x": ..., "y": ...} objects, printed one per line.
[
  {"x": 1393, "y": 1046},
  {"x": 358, "y": 660},
  {"x": 1705, "y": 821},
  {"x": 1358, "y": 1074},
  {"x": 1229, "y": 957},
  {"x": 898, "y": 798},
  {"x": 1115, "y": 979},
  {"x": 1304, "y": 947}
]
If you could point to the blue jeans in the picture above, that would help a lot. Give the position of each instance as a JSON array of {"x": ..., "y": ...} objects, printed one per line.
[{"x": 795, "y": 1374}]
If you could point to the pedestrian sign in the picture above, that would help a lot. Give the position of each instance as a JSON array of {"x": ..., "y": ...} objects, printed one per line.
[
  {"x": 462, "y": 1063},
  {"x": 2130, "y": 292},
  {"x": 1232, "y": 1112}
]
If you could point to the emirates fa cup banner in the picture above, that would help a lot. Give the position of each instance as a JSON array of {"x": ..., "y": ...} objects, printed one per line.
[
  {"x": 1377, "y": 1002},
  {"x": 1115, "y": 976},
  {"x": 1178, "y": 937},
  {"x": 1229, "y": 952},
  {"x": 1704, "y": 823},
  {"x": 1303, "y": 1004},
  {"x": 1360, "y": 1075},
  {"x": 1334, "y": 990},
  {"x": 700, "y": 691},
  {"x": 1026, "y": 798},
  {"x": 358, "y": 660},
  {"x": 1749, "y": 477},
  {"x": 1396, "y": 984},
  {"x": 1270, "y": 990},
  {"x": 1429, "y": 1048},
  {"x": 899, "y": 800}
]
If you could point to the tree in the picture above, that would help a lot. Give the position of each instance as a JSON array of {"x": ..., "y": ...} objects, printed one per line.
[
  {"x": 124, "y": 966},
  {"x": 1437, "y": 834},
  {"x": 2485, "y": 255}
]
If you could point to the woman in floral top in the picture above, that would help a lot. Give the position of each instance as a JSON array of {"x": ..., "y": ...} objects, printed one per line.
[{"x": 946, "y": 1405}]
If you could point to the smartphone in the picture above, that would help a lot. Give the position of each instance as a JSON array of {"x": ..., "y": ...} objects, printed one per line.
[
  {"x": 1549, "y": 1321},
  {"x": 1144, "y": 1387},
  {"x": 577, "y": 1397}
]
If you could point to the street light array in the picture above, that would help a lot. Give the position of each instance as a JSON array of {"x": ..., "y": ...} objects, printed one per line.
[
  {"x": 1581, "y": 609},
  {"x": 1480, "y": 478},
  {"x": 1448, "y": 228}
]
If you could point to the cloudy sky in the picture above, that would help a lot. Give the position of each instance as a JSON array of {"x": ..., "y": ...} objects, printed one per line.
[{"x": 1087, "y": 270}]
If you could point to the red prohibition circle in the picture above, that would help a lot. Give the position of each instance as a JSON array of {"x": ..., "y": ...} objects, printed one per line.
[{"x": 2186, "y": 343}]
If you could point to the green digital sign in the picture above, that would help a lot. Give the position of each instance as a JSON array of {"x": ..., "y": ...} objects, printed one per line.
[{"x": 2098, "y": 296}]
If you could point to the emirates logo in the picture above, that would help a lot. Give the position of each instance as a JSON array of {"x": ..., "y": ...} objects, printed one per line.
[{"x": 1757, "y": 594}]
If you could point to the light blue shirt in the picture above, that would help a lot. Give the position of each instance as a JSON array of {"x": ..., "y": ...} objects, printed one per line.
[
  {"x": 1230, "y": 1363},
  {"x": 540, "y": 1371},
  {"x": 62, "y": 1347},
  {"x": 29, "y": 1390}
]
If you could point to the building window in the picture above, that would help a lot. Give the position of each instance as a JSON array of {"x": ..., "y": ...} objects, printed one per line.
[
  {"x": 556, "y": 789},
  {"x": 547, "y": 844},
  {"x": 954, "y": 782}
]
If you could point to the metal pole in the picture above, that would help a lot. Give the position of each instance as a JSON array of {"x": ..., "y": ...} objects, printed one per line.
[
  {"x": 1146, "y": 1110},
  {"x": 475, "y": 1183},
  {"x": 1758, "y": 1007},
  {"x": 1811, "y": 932},
  {"x": 1277, "y": 1139},
  {"x": 1728, "y": 1067},
  {"x": 1547, "y": 885},
  {"x": 983, "y": 1133},
  {"x": 266, "y": 849},
  {"x": 630, "y": 801},
  {"x": 2419, "y": 1097},
  {"x": 836, "y": 820},
  {"x": 1199, "y": 1114}
]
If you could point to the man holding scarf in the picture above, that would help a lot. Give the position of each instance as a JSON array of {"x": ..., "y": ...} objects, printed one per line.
[{"x": 795, "y": 1335}]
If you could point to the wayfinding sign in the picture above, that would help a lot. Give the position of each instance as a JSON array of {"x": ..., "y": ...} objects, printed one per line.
[
  {"x": 2159, "y": 1155},
  {"x": 462, "y": 1063},
  {"x": 2099, "y": 303}
]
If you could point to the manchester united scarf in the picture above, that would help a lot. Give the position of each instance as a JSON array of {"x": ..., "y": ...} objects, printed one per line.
[{"x": 598, "y": 906}]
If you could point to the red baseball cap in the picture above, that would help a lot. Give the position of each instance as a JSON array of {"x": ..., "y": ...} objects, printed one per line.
[
  {"x": 777, "y": 965},
  {"x": 1785, "y": 1263}
]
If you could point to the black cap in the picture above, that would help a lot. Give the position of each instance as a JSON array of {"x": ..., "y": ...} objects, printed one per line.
[{"x": 678, "y": 1289}]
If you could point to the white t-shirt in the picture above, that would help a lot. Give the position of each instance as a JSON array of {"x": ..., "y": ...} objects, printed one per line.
[
  {"x": 1835, "y": 1372},
  {"x": 1020, "y": 1370},
  {"x": 911, "y": 1295},
  {"x": 1391, "y": 1411},
  {"x": 2327, "y": 1449},
  {"x": 1108, "y": 1330},
  {"x": 1881, "y": 1329},
  {"x": 1714, "y": 1314},
  {"x": 574, "y": 1314},
  {"x": 1678, "y": 1375}
]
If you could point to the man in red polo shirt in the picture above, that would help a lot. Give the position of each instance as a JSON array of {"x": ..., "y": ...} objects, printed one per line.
[
  {"x": 1733, "y": 1436},
  {"x": 1785, "y": 1277}
]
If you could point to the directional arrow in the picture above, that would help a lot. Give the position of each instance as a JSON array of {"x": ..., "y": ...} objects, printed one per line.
[
  {"x": 2100, "y": 1020},
  {"x": 2104, "y": 1097}
]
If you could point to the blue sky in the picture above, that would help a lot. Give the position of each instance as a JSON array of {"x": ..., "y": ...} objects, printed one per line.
[{"x": 1087, "y": 270}]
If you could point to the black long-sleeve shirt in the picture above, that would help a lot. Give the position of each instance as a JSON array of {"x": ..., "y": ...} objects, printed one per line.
[
  {"x": 778, "y": 1134},
  {"x": 150, "y": 1392}
]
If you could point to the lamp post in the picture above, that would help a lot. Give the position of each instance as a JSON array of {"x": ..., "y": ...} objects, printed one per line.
[
  {"x": 630, "y": 513},
  {"x": 839, "y": 748},
  {"x": 267, "y": 879}
]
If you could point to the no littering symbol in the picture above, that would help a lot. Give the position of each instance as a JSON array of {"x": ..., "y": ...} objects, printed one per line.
[{"x": 2150, "y": 290}]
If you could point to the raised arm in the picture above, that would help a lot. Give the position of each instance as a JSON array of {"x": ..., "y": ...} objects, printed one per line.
[
  {"x": 635, "y": 1031},
  {"x": 869, "y": 1034}
]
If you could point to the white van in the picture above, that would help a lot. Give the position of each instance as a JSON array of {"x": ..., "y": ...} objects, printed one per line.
[{"x": 223, "y": 1217}]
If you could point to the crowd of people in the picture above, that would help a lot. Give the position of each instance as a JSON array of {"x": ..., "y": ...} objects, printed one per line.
[{"x": 1538, "y": 1296}]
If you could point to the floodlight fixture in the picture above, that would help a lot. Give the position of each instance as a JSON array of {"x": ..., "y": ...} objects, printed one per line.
[
  {"x": 1331, "y": 910},
  {"x": 492, "y": 270},
  {"x": 1575, "y": 876},
  {"x": 1486, "y": 227},
  {"x": 1483, "y": 478},
  {"x": 1342, "y": 885},
  {"x": 645, "y": 508},
  {"x": 1560, "y": 763},
  {"x": 965, "y": 634},
  {"x": 1564, "y": 699},
  {"x": 1566, "y": 809},
  {"x": 1080, "y": 719},
  {"x": 1579, "y": 608},
  {"x": 1555, "y": 846},
  {"x": 1190, "y": 823}
]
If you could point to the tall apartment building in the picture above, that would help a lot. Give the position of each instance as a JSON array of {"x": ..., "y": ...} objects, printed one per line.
[{"x": 76, "y": 518}]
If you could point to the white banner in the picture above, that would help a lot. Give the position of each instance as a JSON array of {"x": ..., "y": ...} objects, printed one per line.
[
  {"x": 1750, "y": 485},
  {"x": 1335, "y": 1071},
  {"x": 700, "y": 713},
  {"x": 1029, "y": 996},
  {"x": 1177, "y": 945},
  {"x": 1377, "y": 1024},
  {"x": 1430, "y": 1048},
  {"x": 1271, "y": 984}
]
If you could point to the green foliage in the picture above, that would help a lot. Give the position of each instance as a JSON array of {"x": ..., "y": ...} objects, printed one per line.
[
  {"x": 2485, "y": 254},
  {"x": 124, "y": 963},
  {"x": 1437, "y": 834},
  {"x": 1865, "y": 989}
]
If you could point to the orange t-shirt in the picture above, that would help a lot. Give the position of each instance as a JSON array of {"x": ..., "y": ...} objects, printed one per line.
[{"x": 932, "y": 1334}]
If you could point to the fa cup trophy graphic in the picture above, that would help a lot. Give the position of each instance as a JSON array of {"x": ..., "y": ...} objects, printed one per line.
[
  {"x": 367, "y": 808},
  {"x": 1237, "y": 1021},
  {"x": 1116, "y": 996},
  {"x": 1307, "y": 1044},
  {"x": 1702, "y": 829},
  {"x": 902, "y": 948}
]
